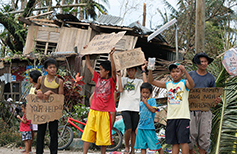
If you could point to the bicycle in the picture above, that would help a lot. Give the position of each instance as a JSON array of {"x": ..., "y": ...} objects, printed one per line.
[{"x": 65, "y": 134}]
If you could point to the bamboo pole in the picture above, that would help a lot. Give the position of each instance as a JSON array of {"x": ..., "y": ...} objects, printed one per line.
[
  {"x": 221, "y": 122},
  {"x": 46, "y": 7},
  {"x": 42, "y": 14}
]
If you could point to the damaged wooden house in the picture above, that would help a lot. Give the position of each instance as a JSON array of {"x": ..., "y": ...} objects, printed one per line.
[{"x": 65, "y": 36}]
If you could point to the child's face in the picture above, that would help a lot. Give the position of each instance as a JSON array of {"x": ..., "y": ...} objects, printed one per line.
[
  {"x": 31, "y": 80},
  {"x": 145, "y": 93},
  {"x": 103, "y": 73},
  {"x": 131, "y": 72},
  {"x": 51, "y": 69},
  {"x": 23, "y": 108},
  {"x": 176, "y": 74}
]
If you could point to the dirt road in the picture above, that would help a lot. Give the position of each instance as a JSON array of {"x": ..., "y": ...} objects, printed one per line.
[{"x": 4, "y": 150}]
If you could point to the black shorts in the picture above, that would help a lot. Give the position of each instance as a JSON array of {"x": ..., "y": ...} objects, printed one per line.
[
  {"x": 130, "y": 119},
  {"x": 177, "y": 131}
]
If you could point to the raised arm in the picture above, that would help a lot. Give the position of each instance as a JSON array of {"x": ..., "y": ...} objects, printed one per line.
[
  {"x": 189, "y": 82},
  {"x": 120, "y": 86},
  {"x": 161, "y": 84},
  {"x": 113, "y": 69},
  {"x": 153, "y": 110},
  {"x": 88, "y": 64},
  {"x": 144, "y": 72}
]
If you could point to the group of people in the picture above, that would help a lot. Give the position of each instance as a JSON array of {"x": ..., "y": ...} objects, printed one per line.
[
  {"x": 184, "y": 128},
  {"x": 43, "y": 86}
]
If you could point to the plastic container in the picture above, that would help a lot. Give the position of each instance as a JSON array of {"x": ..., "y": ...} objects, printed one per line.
[{"x": 151, "y": 63}]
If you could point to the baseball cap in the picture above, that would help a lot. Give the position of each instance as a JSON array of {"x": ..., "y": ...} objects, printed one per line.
[
  {"x": 196, "y": 59},
  {"x": 174, "y": 65}
]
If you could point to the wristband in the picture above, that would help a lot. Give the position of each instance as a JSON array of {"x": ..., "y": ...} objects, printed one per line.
[
  {"x": 37, "y": 91},
  {"x": 143, "y": 71}
]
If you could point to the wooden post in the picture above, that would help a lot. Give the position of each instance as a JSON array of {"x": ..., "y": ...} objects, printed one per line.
[
  {"x": 144, "y": 15},
  {"x": 200, "y": 26}
]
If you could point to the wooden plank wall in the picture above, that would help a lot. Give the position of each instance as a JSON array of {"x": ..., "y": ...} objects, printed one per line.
[
  {"x": 31, "y": 36},
  {"x": 44, "y": 34}
]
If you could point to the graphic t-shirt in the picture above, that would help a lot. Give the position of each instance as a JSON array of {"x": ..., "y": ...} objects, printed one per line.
[
  {"x": 130, "y": 97},
  {"x": 146, "y": 116},
  {"x": 178, "y": 105},
  {"x": 103, "y": 99},
  {"x": 25, "y": 127}
]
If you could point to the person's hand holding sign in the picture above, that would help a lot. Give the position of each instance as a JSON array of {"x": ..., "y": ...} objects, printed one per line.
[{"x": 217, "y": 100}]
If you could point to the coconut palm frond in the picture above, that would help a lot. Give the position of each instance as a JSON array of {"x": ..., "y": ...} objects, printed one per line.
[
  {"x": 170, "y": 7},
  {"x": 100, "y": 7},
  {"x": 225, "y": 117}
]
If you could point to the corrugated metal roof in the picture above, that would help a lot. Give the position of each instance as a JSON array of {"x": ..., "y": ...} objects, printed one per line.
[
  {"x": 108, "y": 19},
  {"x": 146, "y": 31}
]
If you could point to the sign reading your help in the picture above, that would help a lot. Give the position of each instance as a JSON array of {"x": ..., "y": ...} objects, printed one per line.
[{"x": 42, "y": 111}]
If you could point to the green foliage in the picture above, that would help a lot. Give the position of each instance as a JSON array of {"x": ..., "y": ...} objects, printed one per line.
[
  {"x": 9, "y": 125},
  {"x": 9, "y": 135},
  {"x": 219, "y": 14},
  {"x": 228, "y": 138},
  {"x": 81, "y": 111}
]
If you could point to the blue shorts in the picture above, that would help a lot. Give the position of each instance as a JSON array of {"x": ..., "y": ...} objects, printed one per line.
[
  {"x": 146, "y": 138},
  {"x": 26, "y": 136}
]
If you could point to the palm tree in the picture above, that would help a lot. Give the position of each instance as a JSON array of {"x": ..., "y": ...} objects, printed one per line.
[
  {"x": 217, "y": 16},
  {"x": 89, "y": 11},
  {"x": 16, "y": 34}
]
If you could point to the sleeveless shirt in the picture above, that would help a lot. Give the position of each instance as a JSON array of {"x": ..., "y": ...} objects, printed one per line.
[{"x": 45, "y": 85}]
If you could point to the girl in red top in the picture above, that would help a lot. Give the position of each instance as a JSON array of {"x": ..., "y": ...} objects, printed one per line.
[{"x": 25, "y": 129}]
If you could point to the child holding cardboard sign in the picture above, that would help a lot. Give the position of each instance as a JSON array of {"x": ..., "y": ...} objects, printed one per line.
[
  {"x": 98, "y": 126},
  {"x": 129, "y": 88},
  {"x": 178, "y": 115},
  {"x": 47, "y": 85}
]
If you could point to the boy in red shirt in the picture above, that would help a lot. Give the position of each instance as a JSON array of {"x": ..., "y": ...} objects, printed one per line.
[
  {"x": 25, "y": 129},
  {"x": 99, "y": 126}
]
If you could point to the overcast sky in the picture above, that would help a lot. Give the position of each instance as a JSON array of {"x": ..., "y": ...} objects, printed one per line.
[
  {"x": 137, "y": 14},
  {"x": 134, "y": 14}
]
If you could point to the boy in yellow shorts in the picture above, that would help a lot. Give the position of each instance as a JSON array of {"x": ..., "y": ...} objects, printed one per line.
[{"x": 99, "y": 126}]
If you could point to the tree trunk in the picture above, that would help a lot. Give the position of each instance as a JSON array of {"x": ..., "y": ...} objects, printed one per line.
[
  {"x": 81, "y": 15},
  {"x": 200, "y": 26},
  {"x": 39, "y": 5},
  {"x": 61, "y": 10},
  {"x": 144, "y": 15},
  {"x": 75, "y": 13}
]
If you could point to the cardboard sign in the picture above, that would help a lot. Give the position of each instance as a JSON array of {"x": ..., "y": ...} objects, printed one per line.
[
  {"x": 102, "y": 43},
  {"x": 42, "y": 111},
  {"x": 230, "y": 61},
  {"x": 203, "y": 98},
  {"x": 127, "y": 59}
]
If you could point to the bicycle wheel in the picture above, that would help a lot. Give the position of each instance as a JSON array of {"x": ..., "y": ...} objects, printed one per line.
[
  {"x": 65, "y": 137},
  {"x": 117, "y": 139}
]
